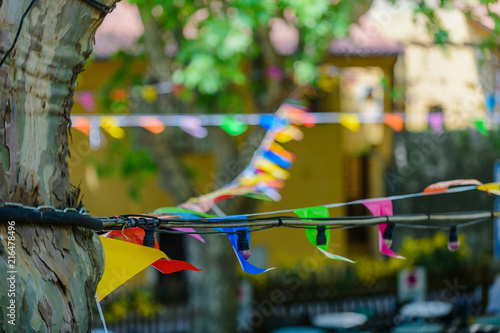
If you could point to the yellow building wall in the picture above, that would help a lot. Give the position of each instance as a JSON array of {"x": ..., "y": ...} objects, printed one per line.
[
  {"x": 454, "y": 85},
  {"x": 445, "y": 76}
]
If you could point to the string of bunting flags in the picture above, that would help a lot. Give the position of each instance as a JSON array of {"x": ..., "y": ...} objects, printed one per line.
[
  {"x": 263, "y": 178},
  {"x": 268, "y": 169},
  {"x": 236, "y": 124},
  {"x": 117, "y": 252}
]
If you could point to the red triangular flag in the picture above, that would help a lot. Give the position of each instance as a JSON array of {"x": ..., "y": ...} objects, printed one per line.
[
  {"x": 171, "y": 266},
  {"x": 394, "y": 120}
]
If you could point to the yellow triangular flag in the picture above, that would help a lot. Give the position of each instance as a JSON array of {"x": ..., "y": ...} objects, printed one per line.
[
  {"x": 350, "y": 121},
  {"x": 122, "y": 261},
  {"x": 110, "y": 125},
  {"x": 492, "y": 188},
  {"x": 271, "y": 168},
  {"x": 149, "y": 93}
]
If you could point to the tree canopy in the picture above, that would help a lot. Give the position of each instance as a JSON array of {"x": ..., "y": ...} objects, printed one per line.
[{"x": 213, "y": 46}]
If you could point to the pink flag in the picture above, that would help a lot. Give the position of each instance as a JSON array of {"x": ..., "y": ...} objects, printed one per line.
[
  {"x": 382, "y": 208},
  {"x": 197, "y": 236},
  {"x": 436, "y": 122},
  {"x": 87, "y": 100},
  {"x": 192, "y": 126}
]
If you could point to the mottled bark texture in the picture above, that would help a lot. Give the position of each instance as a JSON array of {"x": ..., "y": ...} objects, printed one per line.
[{"x": 58, "y": 267}]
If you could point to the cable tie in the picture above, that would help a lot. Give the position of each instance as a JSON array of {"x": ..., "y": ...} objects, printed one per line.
[
  {"x": 45, "y": 208},
  {"x": 13, "y": 205},
  {"x": 84, "y": 211},
  {"x": 280, "y": 222},
  {"x": 132, "y": 221},
  {"x": 100, "y": 6}
]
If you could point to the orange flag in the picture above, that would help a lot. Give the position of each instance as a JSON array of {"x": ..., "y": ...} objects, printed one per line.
[
  {"x": 394, "y": 120},
  {"x": 442, "y": 187}
]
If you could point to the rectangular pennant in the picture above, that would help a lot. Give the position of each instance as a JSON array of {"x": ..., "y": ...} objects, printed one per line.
[
  {"x": 312, "y": 231},
  {"x": 233, "y": 238},
  {"x": 382, "y": 207}
]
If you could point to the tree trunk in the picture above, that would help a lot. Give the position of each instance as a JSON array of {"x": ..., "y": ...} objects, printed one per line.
[{"x": 56, "y": 268}]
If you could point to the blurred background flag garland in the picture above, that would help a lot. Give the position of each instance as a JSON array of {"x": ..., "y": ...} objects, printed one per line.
[
  {"x": 233, "y": 126},
  {"x": 192, "y": 126},
  {"x": 265, "y": 174}
]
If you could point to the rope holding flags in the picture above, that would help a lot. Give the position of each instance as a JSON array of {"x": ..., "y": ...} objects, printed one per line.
[{"x": 119, "y": 268}]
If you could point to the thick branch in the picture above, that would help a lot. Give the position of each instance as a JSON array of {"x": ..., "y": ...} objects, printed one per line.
[{"x": 155, "y": 45}]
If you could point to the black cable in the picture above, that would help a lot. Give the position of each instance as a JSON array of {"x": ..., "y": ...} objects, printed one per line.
[
  {"x": 100, "y": 6},
  {"x": 24, "y": 215},
  {"x": 253, "y": 219},
  {"x": 165, "y": 229},
  {"x": 18, "y": 32},
  {"x": 171, "y": 231},
  {"x": 468, "y": 224}
]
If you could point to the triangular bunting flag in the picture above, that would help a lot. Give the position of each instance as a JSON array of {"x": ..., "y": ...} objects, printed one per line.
[
  {"x": 436, "y": 122},
  {"x": 123, "y": 260},
  {"x": 394, "y": 120},
  {"x": 350, "y": 121},
  {"x": 481, "y": 126}
]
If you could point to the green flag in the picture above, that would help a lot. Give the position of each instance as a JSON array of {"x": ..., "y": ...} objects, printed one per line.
[{"x": 312, "y": 231}]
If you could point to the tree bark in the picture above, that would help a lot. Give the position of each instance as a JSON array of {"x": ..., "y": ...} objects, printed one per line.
[{"x": 57, "y": 267}]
